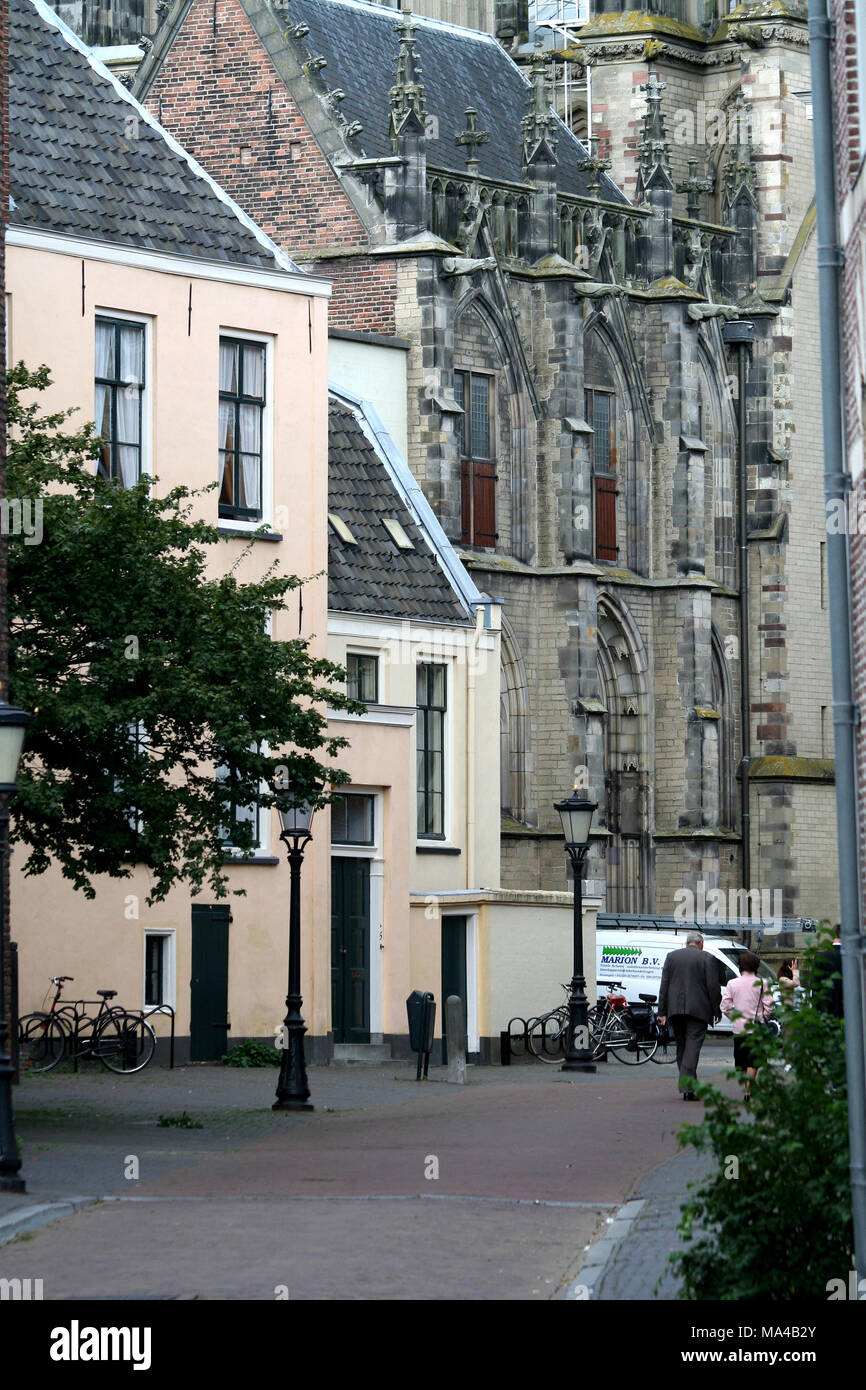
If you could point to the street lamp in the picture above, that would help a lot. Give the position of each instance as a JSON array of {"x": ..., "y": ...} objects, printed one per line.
[
  {"x": 13, "y": 724},
  {"x": 576, "y": 815},
  {"x": 293, "y": 1091}
]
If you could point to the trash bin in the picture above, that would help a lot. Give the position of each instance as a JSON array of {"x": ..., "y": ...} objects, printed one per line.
[{"x": 421, "y": 1012}]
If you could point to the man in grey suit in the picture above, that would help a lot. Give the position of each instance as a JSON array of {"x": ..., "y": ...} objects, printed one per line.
[{"x": 690, "y": 995}]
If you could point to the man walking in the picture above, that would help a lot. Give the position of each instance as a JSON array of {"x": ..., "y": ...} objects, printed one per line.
[{"x": 690, "y": 996}]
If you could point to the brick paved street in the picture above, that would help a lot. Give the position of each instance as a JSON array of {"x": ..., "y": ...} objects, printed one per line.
[{"x": 335, "y": 1204}]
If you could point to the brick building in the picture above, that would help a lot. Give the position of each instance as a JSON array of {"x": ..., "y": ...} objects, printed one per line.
[{"x": 571, "y": 400}]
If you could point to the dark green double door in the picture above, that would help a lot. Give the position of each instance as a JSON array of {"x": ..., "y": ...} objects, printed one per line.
[{"x": 350, "y": 949}]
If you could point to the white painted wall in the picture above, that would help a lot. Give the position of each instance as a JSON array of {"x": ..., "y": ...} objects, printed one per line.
[
  {"x": 377, "y": 374},
  {"x": 530, "y": 951}
]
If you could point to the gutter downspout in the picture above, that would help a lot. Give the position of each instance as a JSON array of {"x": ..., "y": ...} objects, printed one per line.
[
  {"x": 837, "y": 485},
  {"x": 740, "y": 333}
]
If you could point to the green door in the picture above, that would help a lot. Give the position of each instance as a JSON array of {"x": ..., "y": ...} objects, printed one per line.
[
  {"x": 350, "y": 949},
  {"x": 453, "y": 970},
  {"x": 209, "y": 985}
]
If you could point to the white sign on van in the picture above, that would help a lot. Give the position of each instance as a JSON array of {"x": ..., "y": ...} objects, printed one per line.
[{"x": 629, "y": 962}]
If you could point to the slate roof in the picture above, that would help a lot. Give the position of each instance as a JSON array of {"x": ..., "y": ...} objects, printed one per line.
[
  {"x": 460, "y": 68},
  {"x": 86, "y": 160},
  {"x": 374, "y": 577}
]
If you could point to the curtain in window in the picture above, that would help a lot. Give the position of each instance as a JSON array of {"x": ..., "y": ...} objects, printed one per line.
[
  {"x": 251, "y": 448},
  {"x": 254, "y": 372},
  {"x": 229, "y": 367},
  {"x": 129, "y": 406},
  {"x": 227, "y": 452},
  {"x": 105, "y": 350}
]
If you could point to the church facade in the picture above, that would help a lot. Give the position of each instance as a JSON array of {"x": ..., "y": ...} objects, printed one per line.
[{"x": 577, "y": 314}]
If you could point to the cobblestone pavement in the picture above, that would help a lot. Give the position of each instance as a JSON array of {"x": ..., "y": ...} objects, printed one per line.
[
  {"x": 336, "y": 1204},
  {"x": 639, "y": 1265}
]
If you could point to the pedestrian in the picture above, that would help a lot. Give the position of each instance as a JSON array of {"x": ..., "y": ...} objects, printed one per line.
[
  {"x": 826, "y": 977},
  {"x": 745, "y": 1001},
  {"x": 689, "y": 996},
  {"x": 788, "y": 976}
]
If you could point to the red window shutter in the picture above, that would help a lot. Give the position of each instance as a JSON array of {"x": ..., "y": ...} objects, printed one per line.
[
  {"x": 484, "y": 514},
  {"x": 605, "y": 518},
  {"x": 466, "y": 502}
]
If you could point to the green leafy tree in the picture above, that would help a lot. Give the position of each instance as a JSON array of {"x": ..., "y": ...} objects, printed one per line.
[
  {"x": 146, "y": 673},
  {"x": 773, "y": 1220}
]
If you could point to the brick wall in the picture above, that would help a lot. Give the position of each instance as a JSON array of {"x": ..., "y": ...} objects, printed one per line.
[
  {"x": 219, "y": 94},
  {"x": 364, "y": 293}
]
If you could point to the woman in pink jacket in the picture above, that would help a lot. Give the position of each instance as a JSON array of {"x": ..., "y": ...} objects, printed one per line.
[{"x": 745, "y": 999}]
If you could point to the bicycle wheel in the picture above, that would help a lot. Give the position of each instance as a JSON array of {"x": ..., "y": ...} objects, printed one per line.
[
  {"x": 41, "y": 1042},
  {"x": 629, "y": 1048},
  {"x": 665, "y": 1052},
  {"x": 547, "y": 1038},
  {"x": 124, "y": 1042}
]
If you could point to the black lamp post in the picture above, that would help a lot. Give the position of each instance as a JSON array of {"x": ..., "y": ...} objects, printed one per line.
[
  {"x": 576, "y": 815},
  {"x": 293, "y": 1091},
  {"x": 13, "y": 723}
]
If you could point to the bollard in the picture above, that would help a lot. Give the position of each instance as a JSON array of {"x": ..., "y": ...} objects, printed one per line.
[
  {"x": 505, "y": 1048},
  {"x": 455, "y": 1031}
]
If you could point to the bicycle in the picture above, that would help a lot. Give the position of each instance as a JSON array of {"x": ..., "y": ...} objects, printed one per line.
[
  {"x": 123, "y": 1041},
  {"x": 547, "y": 1035},
  {"x": 630, "y": 1033}
]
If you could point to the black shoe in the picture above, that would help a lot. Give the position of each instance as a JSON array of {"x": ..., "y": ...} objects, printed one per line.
[{"x": 689, "y": 1095}]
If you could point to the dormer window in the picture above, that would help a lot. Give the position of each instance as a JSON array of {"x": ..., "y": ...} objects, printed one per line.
[
  {"x": 397, "y": 534},
  {"x": 340, "y": 529}
]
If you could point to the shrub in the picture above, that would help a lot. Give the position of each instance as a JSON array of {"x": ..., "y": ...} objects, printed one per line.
[
  {"x": 781, "y": 1228},
  {"x": 252, "y": 1054}
]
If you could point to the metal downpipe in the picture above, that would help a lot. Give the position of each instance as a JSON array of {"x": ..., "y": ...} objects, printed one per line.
[{"x": 837, "y": 484}]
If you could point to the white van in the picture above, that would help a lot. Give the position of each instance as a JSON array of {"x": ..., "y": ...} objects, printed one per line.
[{"x": 635, "y": 958}]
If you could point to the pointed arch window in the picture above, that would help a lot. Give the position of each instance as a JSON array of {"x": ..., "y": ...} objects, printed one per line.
[
  {"x": 473, "y": 391},
  {"x": 601, "y": 414}
]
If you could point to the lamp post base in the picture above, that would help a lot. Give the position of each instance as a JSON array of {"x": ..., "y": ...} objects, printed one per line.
[
  {"x": 10, "y": 1184},
  {"x": 578, "y": 1066},
  {"x": 293, "y": 1105}
]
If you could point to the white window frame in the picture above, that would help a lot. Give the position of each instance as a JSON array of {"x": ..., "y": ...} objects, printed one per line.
[
  {"x": 375, "y": 854},
  {"x": 368, "y": 651},
  {"x": 473, "y": 1038},
  {"x": 146, "y": 322},
  {"x": 263, "y": 828},
  {"x": 426, "y": 842},
  {"x": 225, "y": 523},
  {"x": 169, "y": 936}
]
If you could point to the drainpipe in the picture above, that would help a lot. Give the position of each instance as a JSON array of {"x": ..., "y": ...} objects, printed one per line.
[
  {"x": 740, "y": 333},
  {"x": 471, "y": 657},
  {"x": 837, "y": 484}
]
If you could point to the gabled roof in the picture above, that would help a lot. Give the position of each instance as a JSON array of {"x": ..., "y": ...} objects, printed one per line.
[
  {"x": 86, "y": 160},
  {"x": 374, "y": 576},
  {"x": 461, "y": 68}
]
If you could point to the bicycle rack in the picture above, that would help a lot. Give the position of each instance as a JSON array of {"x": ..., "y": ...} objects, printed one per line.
[
  {"x": 164, "y": 1009},
  {"x": 510, "y": 1033}
]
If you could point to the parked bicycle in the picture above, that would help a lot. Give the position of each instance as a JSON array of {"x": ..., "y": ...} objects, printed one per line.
[
  {"x": 547, "y": 1035},
  {"x": 122, "y": 1040},
  {"x": 628, "y": 1030}
]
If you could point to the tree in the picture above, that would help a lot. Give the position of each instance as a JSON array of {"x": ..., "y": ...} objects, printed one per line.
[
  {"x": 776, "y": 1225},
  {"x": 145, "y": 674}
]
